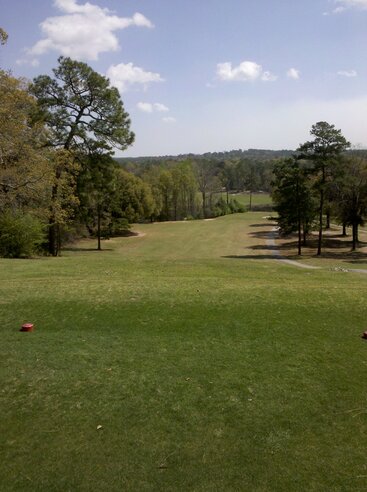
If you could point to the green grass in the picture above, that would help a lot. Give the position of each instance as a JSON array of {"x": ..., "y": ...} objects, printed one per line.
[
  {"x": 257, "y": 199},
  {"x": 209, "y": 366}
]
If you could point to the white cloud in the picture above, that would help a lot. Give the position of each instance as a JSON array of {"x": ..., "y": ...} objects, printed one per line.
[
  {"x": 347, "y": 73},
  {"x": 160, "y": 107},
  {"x": 125, "y": 75},
  {"x": 343, "y": 5},
  {"x": 33, "y": 62},
  {"x": 84, "y": 31},
  {"x": 245, "y": 71},
  {"x": 169, "y": 119},
  {"x": 268, "y": 77},
  {"x": 149, "y": 107},
  {"x": 362, "y": 4},
  {"x": 145, "y": 107},
  {"x": 293, "y": 73}
]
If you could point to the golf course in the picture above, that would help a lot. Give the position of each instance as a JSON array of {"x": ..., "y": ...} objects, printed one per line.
[{"x": 187, "y": 357}]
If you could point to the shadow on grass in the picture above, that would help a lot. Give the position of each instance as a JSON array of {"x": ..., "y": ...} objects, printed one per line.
[
  {"x": 255, "y": 257},
  {"x": 335, "y": 247},
  {"x": 265, "y": 224},
  {"x": 77, "y": 249},
  {"x": 261, "y": 234}
]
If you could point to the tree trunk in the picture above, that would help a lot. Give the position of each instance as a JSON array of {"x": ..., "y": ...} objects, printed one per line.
[
  {"x": 320, "y": 222},
  {"x": 250, "y": 206},
  {"x": 58, "y": 233},
  {"x": 344, "y": 233},
  {"x": 52, "y": 249},
  {"x": 52, "y": 233},
  {"x": 354, "y": 236},
  {"x": 99, "y": 229},
  {"x": 304, "y": 237},
  {"x": 327, "y": 221},
  {"x": 204, "y": 203},
  {"x": 299, "y": 235}
]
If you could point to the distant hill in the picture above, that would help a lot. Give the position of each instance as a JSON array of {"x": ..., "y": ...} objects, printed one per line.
[{"x": 251, "y": 154}]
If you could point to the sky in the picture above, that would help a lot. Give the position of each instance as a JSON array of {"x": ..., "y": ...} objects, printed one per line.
[{"x": 201, "y": 76}]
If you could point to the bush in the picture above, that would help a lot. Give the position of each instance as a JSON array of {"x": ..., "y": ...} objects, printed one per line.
[
  {"x": 236, "y": 207},
  {"x": 222, "y": 208},
  {"x": 117, "y": 227},
  {"x": 21, "y": 235}
]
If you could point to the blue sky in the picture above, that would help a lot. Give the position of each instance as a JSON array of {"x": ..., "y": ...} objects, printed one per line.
[{"x": 207, "y": 75}]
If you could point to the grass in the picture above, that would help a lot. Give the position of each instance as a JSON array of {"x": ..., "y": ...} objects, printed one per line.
[
  {"x": 258, "y": 199},
  {"x": 208, "y": 364}
]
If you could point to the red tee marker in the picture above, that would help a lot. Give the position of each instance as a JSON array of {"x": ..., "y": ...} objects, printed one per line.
[{"x": 27, "y": 327}]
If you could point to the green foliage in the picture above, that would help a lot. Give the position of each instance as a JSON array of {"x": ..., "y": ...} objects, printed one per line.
[
  {"x": 81, "y": 109},
  {"x": 21, "y": 235},
  {"x": 232, "y": 207},
  {"x": 351, "y": 194},
  {"x": 326, "y": 147},
  {"x": 3, "y": 36},
  {"x": 174, "y": 190},
  {"x": 116, "y": 227},
  {"x": 293, "y": 197},
  {"x": 84, "y": 115},
  {"x": 134, "y": 200},
  {"x": 25, "y": 174},
  {"x": 324, "y": 152}
]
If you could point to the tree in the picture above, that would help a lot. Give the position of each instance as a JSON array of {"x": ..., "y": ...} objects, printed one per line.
[
  {"x": 81, "y": 109},
  {"x": 351, "y": 204},
  {"x": 134, "y": 200},
  {"x": 21, "y": 234},
  {"x": 3, "y": 36},
  {"x": 226, "y": 175},
  {"x": 25, "y": 175},
  {"x": 293, "y": 199},
  {"x": 324, "y": 152},
  {"x": 84, "y": 114},
  {"x": 96, "y": 191},
  {"x": 205, "y": 173},
  {"x": 63, "y": 200}
]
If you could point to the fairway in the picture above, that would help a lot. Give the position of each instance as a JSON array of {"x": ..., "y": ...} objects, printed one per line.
[{"x": 186, "y": 358}]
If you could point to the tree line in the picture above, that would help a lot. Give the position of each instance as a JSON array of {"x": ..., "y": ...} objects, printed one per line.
[{"x": 322, "y": 181}]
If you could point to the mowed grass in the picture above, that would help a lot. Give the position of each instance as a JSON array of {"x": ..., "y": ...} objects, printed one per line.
[
  {"x": 257, "y": 199},
  {"x": 208, "y": 365}
]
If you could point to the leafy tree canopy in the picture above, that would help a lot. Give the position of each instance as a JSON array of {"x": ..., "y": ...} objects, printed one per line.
[
  {"x": 3, "y": 36},
  {"x": 81, "y": 108},
  {"x": 24, "y": 164},
  {"x": 328, "y": 143}
]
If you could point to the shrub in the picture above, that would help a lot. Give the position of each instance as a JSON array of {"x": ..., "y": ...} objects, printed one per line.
[
  {"x": 117, "y": 227},
  {"x": 236, "y": 207},
  {"x": 21, "y": 235}
]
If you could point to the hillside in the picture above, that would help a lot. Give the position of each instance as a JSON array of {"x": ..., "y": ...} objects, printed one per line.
[{"x": 251, "y": 154}]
